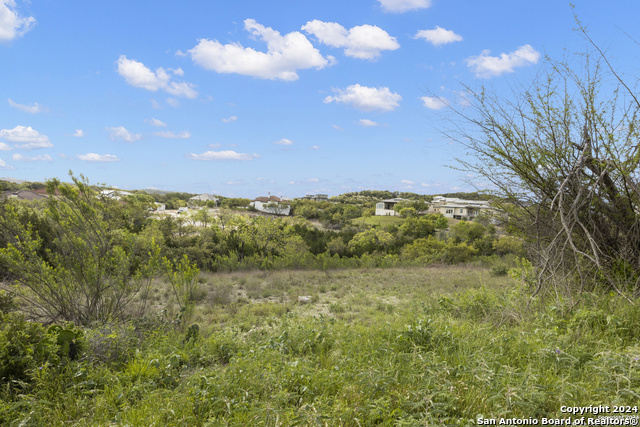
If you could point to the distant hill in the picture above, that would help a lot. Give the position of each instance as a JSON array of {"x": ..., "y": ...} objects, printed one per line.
[{"x": 13, "y": 180}]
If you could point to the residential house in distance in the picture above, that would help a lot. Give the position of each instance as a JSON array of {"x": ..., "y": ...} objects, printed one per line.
[
  {"x": 26, "y": 194},
  {"x": 386, "y": 207},
  {"x": 317, "y": 197},
  {"x": 201, "y": 200},
  {"x": 114, "y": 194},
  {"x": 457, "y": 208},
  {"x": 272, "y": 205}
]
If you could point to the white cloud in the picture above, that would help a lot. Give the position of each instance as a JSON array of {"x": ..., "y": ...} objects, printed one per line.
[
  {"x": 222, "y": 155},
  {"x": 93, "y": 157},
  {"x": 165, "y": 134},
  {"x": 155, "y": 122},
  {"x": 121, "y": 132},
  {"x": 32, "y": 109},
  {"x": 315, "y": 147},
  {"x": 284, "y": 141},
  {"x": 26, "y": 137},
  {"x": 230, "y": 119},
  {"x": 486, "y": 66},
  {"x": 4, "y": 147},
  {"x": 173, "y": 102},
  {"x": 40, "y": 158},
  {"x": 367, "y": 123},
  {"x": 400, "y": 6},
  {"x": 13, "y": 25},
  {"x": 362, "y": 42},
  {"x": 136, "y": 74},
  {"x": 79, "y": 133},
  {"x": 336, "y": 127},
  {"x": 305, "y": 181},
  {"x": 367, "y": 98},
  {"x": 434, "y": 102},
  {"x": 407, "y": 182},
  {"x": 3, "y": 165},
  {"x": 438, "y": 36},
  {"x": 285, "y": 55}
]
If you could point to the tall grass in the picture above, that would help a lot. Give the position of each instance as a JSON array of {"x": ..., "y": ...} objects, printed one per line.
[{"x": 437, "y": 346}]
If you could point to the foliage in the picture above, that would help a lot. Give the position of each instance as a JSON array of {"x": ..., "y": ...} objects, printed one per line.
[
  {"x": 183, "y": 279},
  {"x": 419, "y": 354},
  {"x": 24, "y": 348},
  {"x": 70, "y": 263},
  {"x": 370, "y": 241},
  {"x": 234, "y": 202},
  {"x": 564, "y": 152}
]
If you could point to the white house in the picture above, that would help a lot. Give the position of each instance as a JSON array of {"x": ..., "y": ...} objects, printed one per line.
[
  {"x": 386, "y": 207},
  {"x": 114, "y": 194},
  {"x": 272, "y": 205},
  {"x": 455, "y": 208}
]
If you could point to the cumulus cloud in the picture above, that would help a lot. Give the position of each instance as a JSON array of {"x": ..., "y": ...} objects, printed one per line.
[
  {"x": 155, "y": 122},
  {"x": 32, "y": 109},
  {"x": 172, "y": 135},
  {"x": 367, "y": 98},
  {"x": 25, "y": 137},
  {"x": 138, "y": 75},
  {"x": 4, "y": 165},
  {"x": 400, "y": 6},
  {"x": 4, "y": 147},
  {"x": 367, "y": 123},
  {"x": 122, "y": 133},
  {"x": 40, "y": 158},
  {"x": 438, "y": 36},
  {"x": 13, "y": 25},
  {"x": 407, "y": 182},
  {"x": 362, "y": 42},
  {"x": 486, "y": 66},
  {"x": 284, "y": 141},
  {"x": 222, "y": 155},
  {"x": 93, "y": 157},
  {"x": 285, "y": 55},
  {"x": 79, "y": 133},
  {"x": 230, "y": 119},
  {"x": 434, "y": 102}
]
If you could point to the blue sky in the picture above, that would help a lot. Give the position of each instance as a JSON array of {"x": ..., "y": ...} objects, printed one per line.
[{"x": 241, "y": 98}]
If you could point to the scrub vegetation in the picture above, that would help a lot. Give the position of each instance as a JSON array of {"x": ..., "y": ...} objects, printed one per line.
[{"x": 111, "y": 315}]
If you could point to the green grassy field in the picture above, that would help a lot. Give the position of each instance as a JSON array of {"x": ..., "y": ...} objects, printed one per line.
[
  {"x": 378, "y": 220},
  {"x": 411, "y": 347}
]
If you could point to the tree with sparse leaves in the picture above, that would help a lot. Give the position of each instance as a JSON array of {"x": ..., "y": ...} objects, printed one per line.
[{"x": 563, "y": 154}]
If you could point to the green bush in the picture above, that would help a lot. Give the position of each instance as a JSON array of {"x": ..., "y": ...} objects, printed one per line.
[{"x": 25, "y": 347}]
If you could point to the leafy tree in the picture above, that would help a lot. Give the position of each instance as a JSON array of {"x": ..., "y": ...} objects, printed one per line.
[
  {"x": 337, "y": 246},
  {"x": 275, "y": 208},
  {"x": 370, "y": 241},
  {"x": 466, "y": 231},
  {"x": 235, "y": 202},
  {"x": 203, "y": 216},
  {"x": 417, "y": 227},
  {"x": 79, "y": 275},
  {"x": 407, "y": 212}
]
